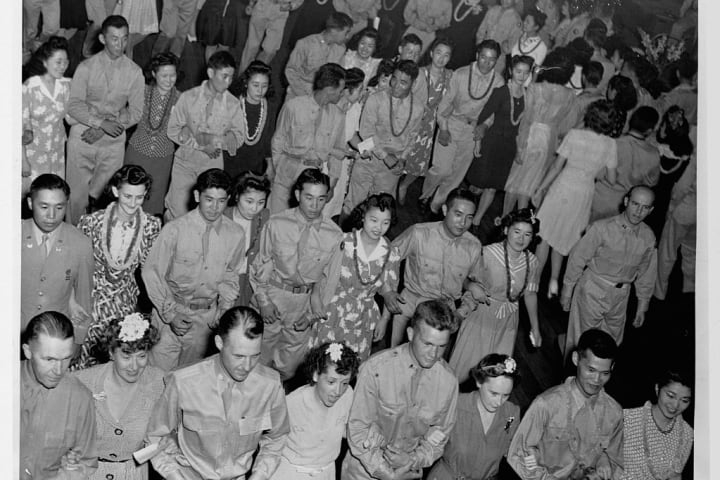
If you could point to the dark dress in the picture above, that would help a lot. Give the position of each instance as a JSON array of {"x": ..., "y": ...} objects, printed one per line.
[
  {"x": 217, "y": 25},
  {"x": 499, "y": 145},
  {"x": 252, "y": 157}
]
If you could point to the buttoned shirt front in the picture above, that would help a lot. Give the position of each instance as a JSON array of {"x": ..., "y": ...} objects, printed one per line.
[
  {"x": 309, "y": 54},
  {"x": 375, "y": 121},
  {"x": 437, "y": 263},
  {"x": 106, "y": 89},
  {"x": 457, "y": 102},
  {"x": 413, "y": 407},
  {"x": 501, "y": 25},
  {"x": 217, "y": 443},
  {"x": 564, "y": 430}
]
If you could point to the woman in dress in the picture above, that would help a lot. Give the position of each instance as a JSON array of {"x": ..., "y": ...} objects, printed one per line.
[
  {"x": 550, "y": 111},
  {"x": 510, "y": 273},
  {"x": 121, "y": 236},
  {"x": 570, "y": 184},
  {"x": 361, "y": 53},
  {"x": 657, "y": 438},
  {"x": 433, "y": 82},
  {"x": 149, "y": 147},
  {"x": 621, "y": 92},
  {"x": 252, "y": 91},
  {"x": 125, "y": 390},
  {"x": 486, "y": 423},
  {"x": 381, "y": 80},
  {"x": 361, "y": 267},
  {"x": 247, "y": 209},
  {"x": 530, "y": 42},
  {"x": 318, "y": 414},
  {"x": 142, "y": 18},
  {"x": 44, "y": 99},
  {"x": 220, "y": 25},
  {"x": 496, "y": 149}
]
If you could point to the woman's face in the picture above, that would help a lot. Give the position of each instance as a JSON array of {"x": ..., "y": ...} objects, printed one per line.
[
  {"x": 366, "y": 47},
  {"x": 529, "y": 25},
  {"x": 250, "y": 203},
  {"x": 130, "y": 198},
  {"x": 673, "y": 399},
  {"x": 353, "y": 95},
  {"x": 440, "y": 56},
  {"x": 56, "y": 64},
  {"x": 495, "y": 391},
  {"x": 565, "y": 9},
  {"x": 165, "y": 77},
  {"x": 519, "y": 236},
  {"x": 257, "y": 87},
  {"x": 520, "y": 73},
  {"x": 129, "y": 366},
  {"x": 384, "y": 82},
  {"x": 330, "y": 385},
  {"x": 376, "y": 223}
]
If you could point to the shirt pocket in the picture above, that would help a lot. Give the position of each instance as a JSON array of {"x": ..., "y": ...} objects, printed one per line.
[
  {"x": 249, "y": 430},
  {"x": 185, "y": 267},
  {"x": 314, "y": 260},
  {"x": 205, "y": 432},
  {"x": 431, "y": 269}
]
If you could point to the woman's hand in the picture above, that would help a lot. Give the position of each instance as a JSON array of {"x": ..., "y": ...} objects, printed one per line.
[
  {"x": 476, "y": 150},
  {"x": 536, "y": 338},
  {"x": 27, "y": 136},
  {"x": 538, "y": 196}
]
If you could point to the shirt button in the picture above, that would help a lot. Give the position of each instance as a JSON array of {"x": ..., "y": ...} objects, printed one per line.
[
  {"x": 40, "y": 294},
  {"x": 39, "y": 307},
  {"x": 118, "y": 431},
  {"x": 42, "y": 279},
  {"x": 110, "y": 476}
]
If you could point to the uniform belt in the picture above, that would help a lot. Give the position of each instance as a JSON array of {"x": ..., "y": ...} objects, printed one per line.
[
  {"x": 297, "y": 289},
  {"x": 608, "y": 282},
  {"x": 197, "y": 304},
  {"x": 106, "y": 460}
]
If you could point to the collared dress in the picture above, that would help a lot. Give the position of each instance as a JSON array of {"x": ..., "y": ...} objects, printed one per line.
[{"x": 117, "y": 438}]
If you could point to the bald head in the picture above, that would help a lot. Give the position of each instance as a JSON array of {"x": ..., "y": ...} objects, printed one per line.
[{"x": 638, "y": 203}]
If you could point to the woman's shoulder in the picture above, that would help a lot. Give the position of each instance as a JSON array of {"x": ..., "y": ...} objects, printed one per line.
[{"x": 91, "y": 376}]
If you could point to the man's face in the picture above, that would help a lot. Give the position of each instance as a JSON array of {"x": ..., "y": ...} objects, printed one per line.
[
  {"x": 221, "y": 78},
  {"x": 638, "y": 206},
  {"x": 49, "y": 358},
  {"x": 238, "y": 354},
  {"x": 48, "y": 209},
  {"x": 410, "y": 51},
  {"x": 592, "y": 372},
  {"x": 458, "y": 216},
  {"x": 486, "y": 60},
  {"x": 400, "y": 84},
  {"x": 334, "y": 94},
  {"x": 115, "y": 41},
  {"x": 427, "y": 343},
  {"x": 338, "y": 37},
  {"x": 211, "y": 203},
  {"x": 311, "y": 199}
]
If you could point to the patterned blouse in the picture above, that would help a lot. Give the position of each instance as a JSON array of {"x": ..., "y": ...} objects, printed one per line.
[{"x": 151, "y": 138}]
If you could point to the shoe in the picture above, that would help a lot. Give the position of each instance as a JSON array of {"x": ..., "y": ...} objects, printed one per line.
[{"x": 553, "y": 288}]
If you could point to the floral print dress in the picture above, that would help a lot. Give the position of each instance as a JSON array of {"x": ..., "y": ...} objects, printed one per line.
[
  {"x": 43, "y": 113},
  {"x": 352, "y": 313}
]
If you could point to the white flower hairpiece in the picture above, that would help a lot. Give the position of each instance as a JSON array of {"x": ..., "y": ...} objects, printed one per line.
[
  {"x": 133, "y": 327},
  {"x": 335, "y": 351},
  {"x": 510, "y": 365}
]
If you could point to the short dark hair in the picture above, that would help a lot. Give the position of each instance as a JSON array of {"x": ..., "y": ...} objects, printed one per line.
[
  {"x": 408, "y": 67},
  {"x": 381, "y": 201},
  {"x": 596, "y": 33},
  {"x": 131, "y": 175},
  {"x": 384, "y": 68},
  {"x": 517, "y": 59},
  {"x": 50, "y": 323},
  {"x": 614, "y": 43},
  {"x": 441, "y": 40},
  {"x": 592, "y": 73},
  {"x": 318, "y": 361},
  {"x": 162, "y": 59},
  {"x": 52, "y": 45},
  {"x": 313, "y": 176},
  {"x": 625, "y": 94},
  {"x": 600, "y": 343},
  {"x": 221, "y": 59},
  {"x": 676, "y": 374},
  {"x": 114, "y": 21},
  {"x": 460, "y": 193},
  {"x": 49, "y": 181},
  {"x": 523, "y": 215},
  {"x": 581, "y": 51},
  {"x": 367, "y": 32},
  {"x": 213, "y": 178},
  {"x": 249, "y": 181},
  {"x": 490, "y": 45},
  {"x": 244, "y": 317},
  {"x": 436, "y": 314},
  {"x": 328, "y": 75},
  {"x": 411, "y": 38},
  {"x": 256, "y": 67},
  {"x": 601, "y": 117},
  {"x": 643, "y": 119},
  {"x": 494, "y": 365},
  {"x": 338, "y": 21},
  {"x": 354, "y": 78},
  {"x": 558, "y": 67},
  {"x": 539, "y": 17}
]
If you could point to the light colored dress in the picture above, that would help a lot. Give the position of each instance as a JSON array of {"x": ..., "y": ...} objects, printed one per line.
[
  {"x": 352, "y": 312},
  {"x": 316, "y": 432},
  {"x": 141, "y": 15},
  {"x": 117, "y": 439},
  {"x": 550, "y": 111},
  {"x": 493, "y": 328},
  {"x": 565, "y": 211},
  {"x": 352, "y": 60},
  {"x": 668, "y": 452},
  {"x": 43, "y": 113}
]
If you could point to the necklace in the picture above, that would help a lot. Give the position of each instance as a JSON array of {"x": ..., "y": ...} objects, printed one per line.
[
  {"x": 675, "y": 462},
  {"x": 660, "y": 429},
  {"x": 473, "y": 7},
  {"x": 508, "y": 288},
  {"x": 109, "y": 218},
  {"x": 489, "y": 87},
  {"x": 357, "y": 263},
  {"x": 392, "y": 124},
  {"x": 514, "y": 122},
  {"x": 385, "y": 5},
  {"x": 527, "y": 52},
  {"x": 149, "y": 97},
  {"x": 321, "y": 2},
  {"x": 255, "y": 137}
]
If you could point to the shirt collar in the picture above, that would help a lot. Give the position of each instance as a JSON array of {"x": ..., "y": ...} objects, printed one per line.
[
  {"x": 217, "y": 224},
  {"x": 579, "y": 396},
  {"x": 625, "y": 225},
  {"x": 28, "y": 381},
  {"x": 38, "y": 234},
  {"x": 378, "y": 252},
  {"x": 316, "y": 224},
  {"x": 210, "y": 93},
  {"x": 408, "y": 356}
]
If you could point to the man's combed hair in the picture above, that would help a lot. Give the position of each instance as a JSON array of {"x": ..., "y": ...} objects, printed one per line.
[
  {"x": 600, "y": 343},
  {"x": 436, "y": 314},
  {"x": 53, "y": 324},
  {"x": 244, "y": 317}
]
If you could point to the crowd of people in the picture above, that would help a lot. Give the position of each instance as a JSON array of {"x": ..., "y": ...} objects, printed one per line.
[{"x": 208, "y": 285}]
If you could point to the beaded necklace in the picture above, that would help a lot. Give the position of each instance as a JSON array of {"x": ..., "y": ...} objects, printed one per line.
[
  {"x": 681, "y": 441},
  {"x": 508, "y": 288},
  {"x": 489, "y": 87},
  {"x": 392, "y": 124},
  {"x": 255, "y": 137},
  {"x": 156, "y": 128},
  {"x": 528, "y": 52},
  {"x": 357, "y": 263},
  {"x": 513, "y": 122},
  {"x": 473, "y": 6},
  {"x": 385, "y": 5}
]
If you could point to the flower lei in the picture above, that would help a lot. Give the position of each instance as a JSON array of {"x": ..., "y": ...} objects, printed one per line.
[
  {"x": 255, "y": 137},
  {"x": 516, "y": 122},
  {"x": 133, "y": 327},
  {"x": 474, "y": 7},
  {"x": 357, "y": 263},
  {"x": 108, "y": 219},
  {"x": 392, "y": 124},
  {"x": 521, "y": 40},
  {"x": 508, "y": 290},
  {"x": 148, "y": 99},
  {"x": 489, "y": 87},
  {"x": 335, "y": 351}
]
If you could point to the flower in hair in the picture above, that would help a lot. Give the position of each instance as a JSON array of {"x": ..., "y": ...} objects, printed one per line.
[
  {"x": 335, "y": 351},
  {"x": 509, "y": 422},
  {"x": 133, "y": 327},
  {"x": 533, "y": 219},
  {"x": 510, "y": 365}
]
